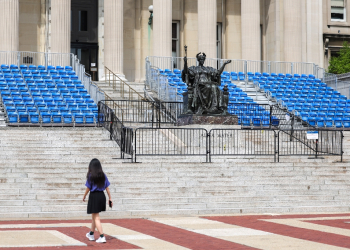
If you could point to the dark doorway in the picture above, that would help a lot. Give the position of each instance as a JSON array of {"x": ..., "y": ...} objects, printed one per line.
[
  {"x": 88, "y": 56},
  {"x": 84, "y": 34}
]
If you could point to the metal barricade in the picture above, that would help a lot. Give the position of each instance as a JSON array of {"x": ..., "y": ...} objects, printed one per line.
[
  {"x": 170, "y": 142},
  {"x": 296, "y": 142},
  {"x": 239, "y": 142}
]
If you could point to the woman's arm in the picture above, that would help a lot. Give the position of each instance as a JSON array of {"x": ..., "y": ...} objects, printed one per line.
[
  {"x": 109, "y": 193},
  {"x": 86, "y": 192}
]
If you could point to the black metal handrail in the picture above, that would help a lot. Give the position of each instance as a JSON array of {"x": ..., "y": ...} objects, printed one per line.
[{"x": 122, "y": 135}]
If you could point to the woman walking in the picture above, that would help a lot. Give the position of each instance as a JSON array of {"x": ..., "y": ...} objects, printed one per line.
[{"x": 96, "y": 183}]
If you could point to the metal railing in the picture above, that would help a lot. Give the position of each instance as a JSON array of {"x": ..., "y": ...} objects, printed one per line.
[
  {"x": 119, "y": 85},
  {"x": 122, "y": 135},
  {"x": 153, "y": 112},
  {"x": 170, "y": 142},
  {"x": 235, "y": 142},
  {"x": 36, "y": 58},
  {"x": 244, "y": 66},
  {"x": 259, "y": 142},
  {"x": 329, "y": 142}
]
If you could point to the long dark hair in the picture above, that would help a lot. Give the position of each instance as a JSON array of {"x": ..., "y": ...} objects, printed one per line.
[{"x": 95, "y": 173}]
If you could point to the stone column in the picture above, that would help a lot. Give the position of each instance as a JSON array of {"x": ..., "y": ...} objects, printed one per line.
[
  {"x": 60, "y": 26},
  {"x": 9, "y": 35},
  {"x": 292, "y": 30},
  {"x": 314, "y": 32},
  {"x": 113, "y": 36},
  {"x": 207, "y": 20},
  {"x": 162, "y": 27},
  {"x": 251, "y": 37}
]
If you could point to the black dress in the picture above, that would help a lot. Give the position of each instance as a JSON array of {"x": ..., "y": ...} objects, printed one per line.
[{"x": 97, "y": 202}]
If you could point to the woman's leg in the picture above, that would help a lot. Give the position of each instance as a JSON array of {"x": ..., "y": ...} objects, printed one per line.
[
  {"x": 93, "y": 225},
  {"x": 98, "y": 222}
]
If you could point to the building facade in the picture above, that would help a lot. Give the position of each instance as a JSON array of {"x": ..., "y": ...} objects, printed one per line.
[{"x": 119, "y": 34}]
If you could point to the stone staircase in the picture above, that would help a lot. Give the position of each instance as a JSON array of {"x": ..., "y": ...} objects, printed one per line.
[
  {"x": 252, "y": 92},
  {"x": 115, "y": 93},
  {"x": 43, "y": 173}
]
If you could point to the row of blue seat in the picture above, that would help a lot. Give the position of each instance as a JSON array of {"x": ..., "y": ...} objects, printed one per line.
[
  {"x": 67, "y": 118},
  {"x": 54, "y": 109},
  {"x": 84, "y": 97},
  {"x": 48, "y": 72},
  {"x": 323, "y": 114},
  {"x": 34, "y": 67},
  {"x": 328, "y": 122},
  {"x": 263, "y": 121}
]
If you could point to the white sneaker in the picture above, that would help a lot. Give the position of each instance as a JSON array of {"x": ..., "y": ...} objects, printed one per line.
[
  {"x": 101, "y": 240},
  {"x": 90, "y": 237}
]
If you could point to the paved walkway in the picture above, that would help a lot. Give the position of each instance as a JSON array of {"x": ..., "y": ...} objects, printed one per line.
[{"x": 238, "y": 232}]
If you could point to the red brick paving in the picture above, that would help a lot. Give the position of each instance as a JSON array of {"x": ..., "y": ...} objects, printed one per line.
[
  {"x": 196, "y": 241},
  {"x": 179, "y": 236},
  {"x": 174, "y": 235},
  {"x": 256, "y": 222},
  {"x": 78, "y": 233}
]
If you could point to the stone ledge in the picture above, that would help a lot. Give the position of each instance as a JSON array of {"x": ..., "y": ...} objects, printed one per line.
[{"x": 207, "y": 120}]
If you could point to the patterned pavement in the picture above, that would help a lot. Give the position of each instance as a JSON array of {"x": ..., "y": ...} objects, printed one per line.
[{"x": 238, "y": 232}]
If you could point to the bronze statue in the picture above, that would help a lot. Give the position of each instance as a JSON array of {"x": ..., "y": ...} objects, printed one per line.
[{"x": 204, "y": 96}]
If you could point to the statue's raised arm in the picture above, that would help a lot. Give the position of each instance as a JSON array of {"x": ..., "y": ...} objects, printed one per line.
[{"x": 223, "y": 67}]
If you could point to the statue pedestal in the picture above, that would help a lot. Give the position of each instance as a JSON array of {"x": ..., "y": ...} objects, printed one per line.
[{"x": 183, "y": 120}]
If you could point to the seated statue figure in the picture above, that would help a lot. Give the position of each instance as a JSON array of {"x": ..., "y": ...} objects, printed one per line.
[{"x": 204, "y": 82}]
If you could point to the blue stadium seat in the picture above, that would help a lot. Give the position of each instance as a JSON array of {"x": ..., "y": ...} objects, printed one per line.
[
  {"x": 338, "y": 122},
  {"x": 50, "y": 67},
  {"x": 12, "y": 116},
  {"x": 346, "y": 122},
  {"x": 67, "y": 118},
  {"x": 241, "y": 76},
  {"x": 79, "y": 118},
  {"x": 34, "y": 117},
  {"x": 23, "y": 67},
  {"x": 320, "y": 122},
  {"x": 234, "y": 76},
  {"x": 82, "y": 105},
  {"x": 43, "y": 109},
  {"x": 23, "y": 117},
  {"x": 46, "y": 117},
  {"x": 74, "y": 77},
  {"x": 246, "y": 121},
  {"x": 62, "y": 72},
  {"x": 41, "y": 67},
  {"x": 85, "y": 110},
  {"x": 90, "y": 118},
  {"x": 57, "y": 118},
  {"x": 10, "y": 109}
]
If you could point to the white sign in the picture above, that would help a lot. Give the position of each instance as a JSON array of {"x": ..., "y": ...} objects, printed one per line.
[
  {"x": 93, "y": 64},
  {"x": 312, "y": 135},
  {"x": 287, "y": 117}
]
